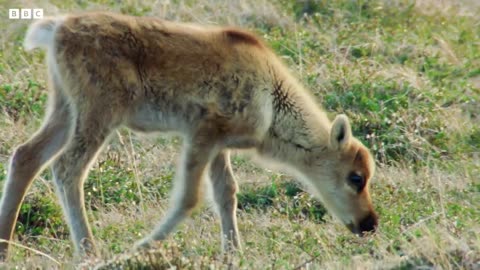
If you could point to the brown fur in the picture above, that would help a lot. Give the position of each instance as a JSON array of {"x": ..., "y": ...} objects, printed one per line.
[
  {"x": 221, "y": 88},
  {"x": 237, "y": 36}
]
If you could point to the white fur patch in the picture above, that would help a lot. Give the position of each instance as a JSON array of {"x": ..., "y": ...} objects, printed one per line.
[{"x": 40, "y": 34}]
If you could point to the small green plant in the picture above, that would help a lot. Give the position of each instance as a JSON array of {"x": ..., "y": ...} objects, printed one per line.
[
  {"x": 20, "y": 101},
  {"x": 40, "y": 215},
  {"x": 286, "y": 198}
]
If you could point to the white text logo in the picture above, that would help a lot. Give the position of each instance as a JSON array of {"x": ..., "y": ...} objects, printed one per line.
[{"x": 25, "y": 13}]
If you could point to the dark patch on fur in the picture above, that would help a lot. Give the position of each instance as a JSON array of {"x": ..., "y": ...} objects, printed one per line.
[
  {"x": 361, "y": 163},
  {"x": 138, "y": 56},
  {"x": 236, "y": 36},
  {"x": 281, "y": 100},
  {"x": 119, "y": 26},
  {"x": 93, "y": 73},
  {"x": 285, "y": 107},
  {"x": 359, "y": 156}
]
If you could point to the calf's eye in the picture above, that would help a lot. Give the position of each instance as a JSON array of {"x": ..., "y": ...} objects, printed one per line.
[{"x": 357, "y": 181}]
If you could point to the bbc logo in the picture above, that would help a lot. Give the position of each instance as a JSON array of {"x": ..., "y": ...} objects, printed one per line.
[{"x": 25, "y": 13}]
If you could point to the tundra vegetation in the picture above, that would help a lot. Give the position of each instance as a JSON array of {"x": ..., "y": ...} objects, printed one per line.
[{"x": 407, "y": 74}]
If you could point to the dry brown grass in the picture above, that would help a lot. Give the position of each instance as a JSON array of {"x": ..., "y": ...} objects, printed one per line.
[{"x": 429, "y": 212}]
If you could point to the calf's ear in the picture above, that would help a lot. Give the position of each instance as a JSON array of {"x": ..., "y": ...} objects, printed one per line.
[{"x": 341, "y": 133}]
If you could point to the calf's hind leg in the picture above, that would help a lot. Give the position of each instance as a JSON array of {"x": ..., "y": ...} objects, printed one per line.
[
  {"x": 70, "y": 170},
  {"x": 28, "y": 160}
]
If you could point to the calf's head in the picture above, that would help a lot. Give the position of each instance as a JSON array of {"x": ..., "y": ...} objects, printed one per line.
[{"x": 340, "y": 176}]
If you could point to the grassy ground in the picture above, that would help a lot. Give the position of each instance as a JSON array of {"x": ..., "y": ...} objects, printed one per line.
[{"x": 406, "y": 72}]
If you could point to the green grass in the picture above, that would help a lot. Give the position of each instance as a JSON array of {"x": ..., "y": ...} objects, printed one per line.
[{"x": 406, "y": 73}]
